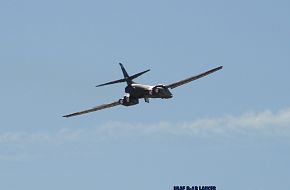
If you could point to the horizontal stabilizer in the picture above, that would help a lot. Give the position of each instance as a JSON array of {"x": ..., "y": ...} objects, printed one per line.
[
  {"x": 112, "y": 82},
  {"x": 138, "y": 74},
  {"x": 127, "y": 78}
]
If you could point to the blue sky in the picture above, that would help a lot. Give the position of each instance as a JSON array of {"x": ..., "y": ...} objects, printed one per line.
[{"x": 231, "y": 129}]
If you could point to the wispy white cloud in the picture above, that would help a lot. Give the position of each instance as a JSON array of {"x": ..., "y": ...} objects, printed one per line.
[
  {"x": 252, "y": 123},
  {"x": 265, "y": 123}
]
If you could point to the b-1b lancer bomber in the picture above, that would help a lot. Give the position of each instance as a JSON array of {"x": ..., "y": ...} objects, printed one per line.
[{"x": 135, "y": 91}]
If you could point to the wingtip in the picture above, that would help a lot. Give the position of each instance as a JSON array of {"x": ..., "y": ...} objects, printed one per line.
[
  {"x": 218, "y": 68},
  {"x": 67, "y": 116}
]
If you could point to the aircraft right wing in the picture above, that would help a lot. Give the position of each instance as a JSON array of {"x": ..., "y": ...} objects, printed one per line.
[
  {"x": 104, "y": 106},
  {"x": 182, "y": 82}
]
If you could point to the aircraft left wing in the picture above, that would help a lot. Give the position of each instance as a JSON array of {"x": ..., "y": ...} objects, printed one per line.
[
  {"x": 103, "y": 106},
  {"x": 182, "y": 82}
]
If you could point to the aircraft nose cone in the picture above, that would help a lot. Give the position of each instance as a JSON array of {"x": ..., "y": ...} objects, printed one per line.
[{"x": 169, "y": 96}]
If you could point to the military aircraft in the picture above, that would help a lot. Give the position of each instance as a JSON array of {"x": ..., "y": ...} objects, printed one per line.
[{"x": 135, "y": 91}]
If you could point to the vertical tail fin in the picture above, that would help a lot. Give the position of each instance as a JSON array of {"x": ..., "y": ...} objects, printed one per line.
[
  {"x": 127, "y": 78},
  {"x": 124, "y": 71}
]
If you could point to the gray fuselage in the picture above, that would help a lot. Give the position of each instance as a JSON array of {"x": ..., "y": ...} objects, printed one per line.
[{"x": 137, "y": 91}]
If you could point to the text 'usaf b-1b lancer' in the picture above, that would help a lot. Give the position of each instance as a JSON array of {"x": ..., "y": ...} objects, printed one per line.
[{"x": 135, "y": 91}]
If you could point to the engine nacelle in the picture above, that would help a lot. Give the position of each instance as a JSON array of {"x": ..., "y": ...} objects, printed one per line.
[
  {"x": 160, "y": 91},
  {"x": 127, "y": 101},
  {"x": 156, "y": 89}
]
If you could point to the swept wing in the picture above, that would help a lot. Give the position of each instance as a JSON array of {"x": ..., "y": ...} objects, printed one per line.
[
  {"x": 103, "y": 106},
  {"x": 182, "y": 82}
]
